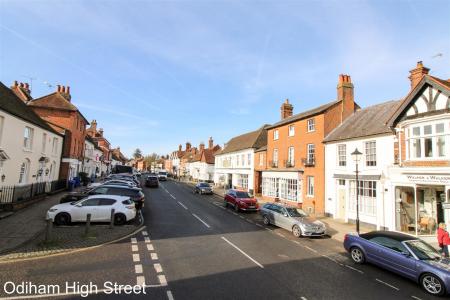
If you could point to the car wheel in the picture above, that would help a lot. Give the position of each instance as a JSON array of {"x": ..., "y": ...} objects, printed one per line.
[
  {"x": 357, "y": 255},
  {"x": 296, "y": 231},
  {"x": 266, "y": 220},
  {"x": 119, "y": 219},
  {"x": 62, "y": 219},
  {"x": 432, "y": 284},
  {"x": 236, "y": 207}
]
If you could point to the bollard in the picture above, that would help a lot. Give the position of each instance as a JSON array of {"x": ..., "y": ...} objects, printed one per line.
[
  {"x": 48, "y": 231},
  {"x": 111, "y": 223},
  {"x": 88, "y": 224}
]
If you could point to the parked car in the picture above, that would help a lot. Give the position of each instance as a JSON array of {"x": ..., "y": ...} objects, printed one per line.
[
  {"x": 99, "y": 206},
  {"x": 151, "y": 181},
  {"x": 403, "y": 254},
  {"x": 203, "y": 188},
  {"x": 293, "y": 219},
  {"x": 240, "y": 200},
  {"x": 162, "y": 175},
  {"x": 72, "y": 197},
  {"x": 115, "y": 182},
  {"x": 126, "y": 177},
  {"x": 133, "y": 192}
]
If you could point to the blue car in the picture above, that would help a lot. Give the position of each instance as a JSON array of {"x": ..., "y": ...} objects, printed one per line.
[{"x": 402, "y": 254}]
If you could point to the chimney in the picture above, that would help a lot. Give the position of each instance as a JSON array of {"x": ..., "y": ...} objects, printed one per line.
[
  {"x": 345, "y": 94},
  {"x": 286, "y": 109},
  {"x": 417, "y": 74},
  {"x": 94, "y": 126},
  {"x": 180, "y": 148},
  {"x": 202, "y": 146},
  {"x": 64, "y": 91},
  {"x": 22, "y": 90},
  {"x": 188, "y": 146},
  {"x": 58, "y": 88},
  {"x": 210, "y": 143}
]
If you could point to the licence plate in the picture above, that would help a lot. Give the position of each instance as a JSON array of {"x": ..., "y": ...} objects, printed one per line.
[{"x": 251, "y": 207}]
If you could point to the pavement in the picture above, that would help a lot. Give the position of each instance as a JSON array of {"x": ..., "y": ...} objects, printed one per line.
[{"x": 192, "y": 247}]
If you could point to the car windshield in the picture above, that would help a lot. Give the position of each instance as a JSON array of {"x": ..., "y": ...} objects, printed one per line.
[
  {"x": 243, "y": 195},
  {"x": 296, "y": 212},
  {"x": 162, "y": 173},
  {"x": 204, "y": 185},
  {"x": 422, "y": 250}
]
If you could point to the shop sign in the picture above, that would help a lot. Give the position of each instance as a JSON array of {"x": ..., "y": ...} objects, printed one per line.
[
  {"x": 446, "y": 205},
  {"x": 432, "y": 179}
]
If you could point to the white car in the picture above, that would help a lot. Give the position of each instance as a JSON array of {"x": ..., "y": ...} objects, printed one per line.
[
  {"x": 162, "y": 175},
  {"x": 99, "y": 206},
  {"x": 113, "y": 181}
]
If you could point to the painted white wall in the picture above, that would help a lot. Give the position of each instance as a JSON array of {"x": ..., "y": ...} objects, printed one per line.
[
  {"x": 226, "y": 164},
  {"x": 385, "y": 159},
  {"x": 201, "y": 171},
  {"x": 12, "y": 142}
]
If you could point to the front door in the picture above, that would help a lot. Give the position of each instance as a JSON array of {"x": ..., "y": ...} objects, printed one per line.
[{"x": 341, "y": 202}]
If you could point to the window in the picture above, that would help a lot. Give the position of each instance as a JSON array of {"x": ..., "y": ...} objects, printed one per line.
[
  {"x": 243, "y": 159},
  {"x": 44, "y": 142},
  {"x": 311, "y": 152},
  {"x": 237, "y": 160},
  {"x": 91, "y": 202},
  {"x": 55, "y": 146},
  {"x": 342, "y": 155},
  {"x": 275, "y": 134},
  {"x": 428, "y": 141},
  {"x": 285, "y": 189},
  {"x": 28, "y": 138},
  {"x": 310, "y": 182},
  {"x": 249, "y": 159},
  {"x": 24, "y": 169},
  {"x": 275, "y": 158},
  {"x": 261, "y": 159},
  {"x": 243, "y": 181},
  {"x": 367, "y": 193},
  {"x": 290, "y": 161},
  {"x": 389, "y": 243},
  {"x": 341, "y": 182},
  {"x": 311, "y": 125},
  {"x": 291, "y": 130},
  {"x": 371, "y": 154}
]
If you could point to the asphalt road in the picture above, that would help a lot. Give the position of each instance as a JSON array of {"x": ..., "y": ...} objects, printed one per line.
[{"x": 194, "y": 248}]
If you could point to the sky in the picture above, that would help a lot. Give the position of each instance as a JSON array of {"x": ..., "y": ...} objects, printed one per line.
[{"x": 156, "y": 74}]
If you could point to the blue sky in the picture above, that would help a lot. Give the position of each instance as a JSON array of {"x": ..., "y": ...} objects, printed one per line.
[{"x": 155, "y": 74}]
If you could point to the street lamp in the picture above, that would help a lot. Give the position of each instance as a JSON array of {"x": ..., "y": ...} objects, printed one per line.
[{"x": 356, "y": 155}]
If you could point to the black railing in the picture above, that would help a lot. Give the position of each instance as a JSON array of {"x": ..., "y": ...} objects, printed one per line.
[
  {"x": 25, "y": 192},
  {"x": 289, "y": 164},
  {"x": 309, "y": 162}
]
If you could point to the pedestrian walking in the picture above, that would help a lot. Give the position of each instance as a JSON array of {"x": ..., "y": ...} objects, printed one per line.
[{"x": 443, "y": 239}]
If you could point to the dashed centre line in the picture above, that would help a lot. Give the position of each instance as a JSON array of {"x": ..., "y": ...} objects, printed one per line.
[
  {"x": 162, "y": 280},
  {"x": 311, "y": 249},
  {"x": 138, "y": 269},
  {"x": 147, "y": 239},
  {"x": 158, "y": 268},
  {"x": 204, "y": 223},
  {"x": 387, "y": 284},
  {"x": 136, "y": 257},
  {"x": 184, "y": 206},
  {"x": 154, "y": 256},
  {"x": 150, "y": 247}
]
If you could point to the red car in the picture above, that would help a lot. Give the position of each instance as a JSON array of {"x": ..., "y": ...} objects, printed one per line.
[{"x": 240, "y": 200}]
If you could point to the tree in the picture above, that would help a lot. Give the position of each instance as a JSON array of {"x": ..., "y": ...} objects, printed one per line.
[{"x": 137, "y": 153}]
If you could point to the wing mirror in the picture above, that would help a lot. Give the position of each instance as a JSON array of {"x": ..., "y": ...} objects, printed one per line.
[{"x": 285, "y": 214}]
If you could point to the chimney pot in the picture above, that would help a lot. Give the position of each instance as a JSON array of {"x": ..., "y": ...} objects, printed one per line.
[
  {"x": 210, "y": 143},
  {"x": 417, "y": 74},
  {"x": 15, "y": 83},
  {"x": 68, "y": 90},
  {"x": 58, "y": 88},
  {"x": 286, "y": 109}
]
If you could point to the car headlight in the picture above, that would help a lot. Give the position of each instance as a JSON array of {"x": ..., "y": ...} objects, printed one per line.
[{"x": 52, "y": 209}]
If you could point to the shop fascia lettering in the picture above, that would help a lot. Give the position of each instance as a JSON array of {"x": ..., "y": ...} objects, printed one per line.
[{"x": 441, "y": 179}]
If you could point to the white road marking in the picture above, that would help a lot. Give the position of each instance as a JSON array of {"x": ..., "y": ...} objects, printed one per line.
[
  {"x": 158, "y": 268},
  {"x": 150, "y": 247},
  {"x": 310, "y": 249},
  {"x": 250, "y": 221},
  {"x": 172, "y": 196},
  {"x": 166, "y": 191},
  {"x": 354, "y": 269},
  {"x": 387, "y": 284},
  {"x": 169, "y": 295},
  {"x": 297, "y": 242},
  {"x": 162, "y": 280},
  {"x": 144, "y": 233},
  {"x": 417, "y": 298},
  {"x": 303, "y": 298},
  {"x": 242, "y": 217},
  {"x": 184, "y": 206},
  {"x": 245, "y": 254},
  {"x": 235, "y": 214},
  {"x": 222, "y": 207},
  {"x": 259, "y": 225},
  {"x": 204, "y": 223},
  {"x": 138, "y": 269},
  {"x": 134, "y": 248},
  {"x": 147, "y": 239},
  {"x": 268, "y": 229},
  {"x": 136, "y": 257},
  {"x": 133, "y": 240},
  {"x": 140, "y": 280},
  {"x": 154, "y": 256}
]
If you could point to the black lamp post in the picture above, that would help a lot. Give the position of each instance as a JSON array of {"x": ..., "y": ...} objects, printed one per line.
[{"x": 356, "y": 155}]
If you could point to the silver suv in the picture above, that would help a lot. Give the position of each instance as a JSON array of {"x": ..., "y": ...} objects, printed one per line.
[{"x": 293, "y": 219}]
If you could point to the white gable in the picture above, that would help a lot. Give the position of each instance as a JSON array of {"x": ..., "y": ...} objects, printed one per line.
[{"x": 431, "y": 99}]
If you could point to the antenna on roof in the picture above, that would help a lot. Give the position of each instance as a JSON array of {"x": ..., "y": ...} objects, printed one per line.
[{"x": 31, "y": 81}]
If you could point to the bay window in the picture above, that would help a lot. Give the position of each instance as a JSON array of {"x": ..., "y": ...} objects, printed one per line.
[{"x": 428, "y": 141}]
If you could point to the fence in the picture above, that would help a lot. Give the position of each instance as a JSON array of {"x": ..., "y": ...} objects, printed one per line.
[{"x": 25, "y": 192}]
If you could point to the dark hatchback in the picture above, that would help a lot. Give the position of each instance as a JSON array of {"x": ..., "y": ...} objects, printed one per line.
[
  {"x": 134, "y": 193},
  {"x": 151, "y": 181},
  {"x": 403, "y": 254}
]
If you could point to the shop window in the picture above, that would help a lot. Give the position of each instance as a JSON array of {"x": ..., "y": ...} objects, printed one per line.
[{"x": 367, "y": 196}]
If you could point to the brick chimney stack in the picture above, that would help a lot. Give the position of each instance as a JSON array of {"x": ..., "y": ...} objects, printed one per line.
[
  {"x": 210, "y": 143},
  {"x": 100, "y": 131},
  {"x": 180, "y": 148},
  {"x": 286, "y": 109},
  {"x": 94, "y": 126},
  {"x": 22, "y": 90},
  {"x": 417, "y": 74},
  {"x": 345, "y": 94},
  {"x": 202, "y": 146},
  {"x": 188, "y": 146},
  {"x": 64, "y": 91}
]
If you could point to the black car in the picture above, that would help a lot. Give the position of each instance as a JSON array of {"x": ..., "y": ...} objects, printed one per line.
[
  {"x": 203, "y": 188},
  {"x": 152, "y": 181},
  {"x": 134, "y": 193}
]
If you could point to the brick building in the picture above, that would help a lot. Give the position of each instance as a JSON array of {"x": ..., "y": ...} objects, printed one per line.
[
  {"x": 295, "y": 157},
  {"x": 102, "y": 143},
  {"x": 59, "y": 112}
]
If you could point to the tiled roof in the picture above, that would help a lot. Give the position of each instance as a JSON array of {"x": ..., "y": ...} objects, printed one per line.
[
  {"x": 255, "y": 139},
  {"x": 369, "y": 121},
  {"x": 12, "y": 104},
  {"x": 304, "y": 115},
  {"x": 57, "y": 101},
  {"x": 263, "y": 148}
]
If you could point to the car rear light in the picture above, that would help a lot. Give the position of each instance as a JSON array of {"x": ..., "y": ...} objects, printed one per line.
[
  {"x": 345, "y": 237},
  {"x": 131, "y": 206}
]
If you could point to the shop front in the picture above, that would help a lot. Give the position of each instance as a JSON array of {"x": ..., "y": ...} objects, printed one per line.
[{"x": 422, "y": 201}]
